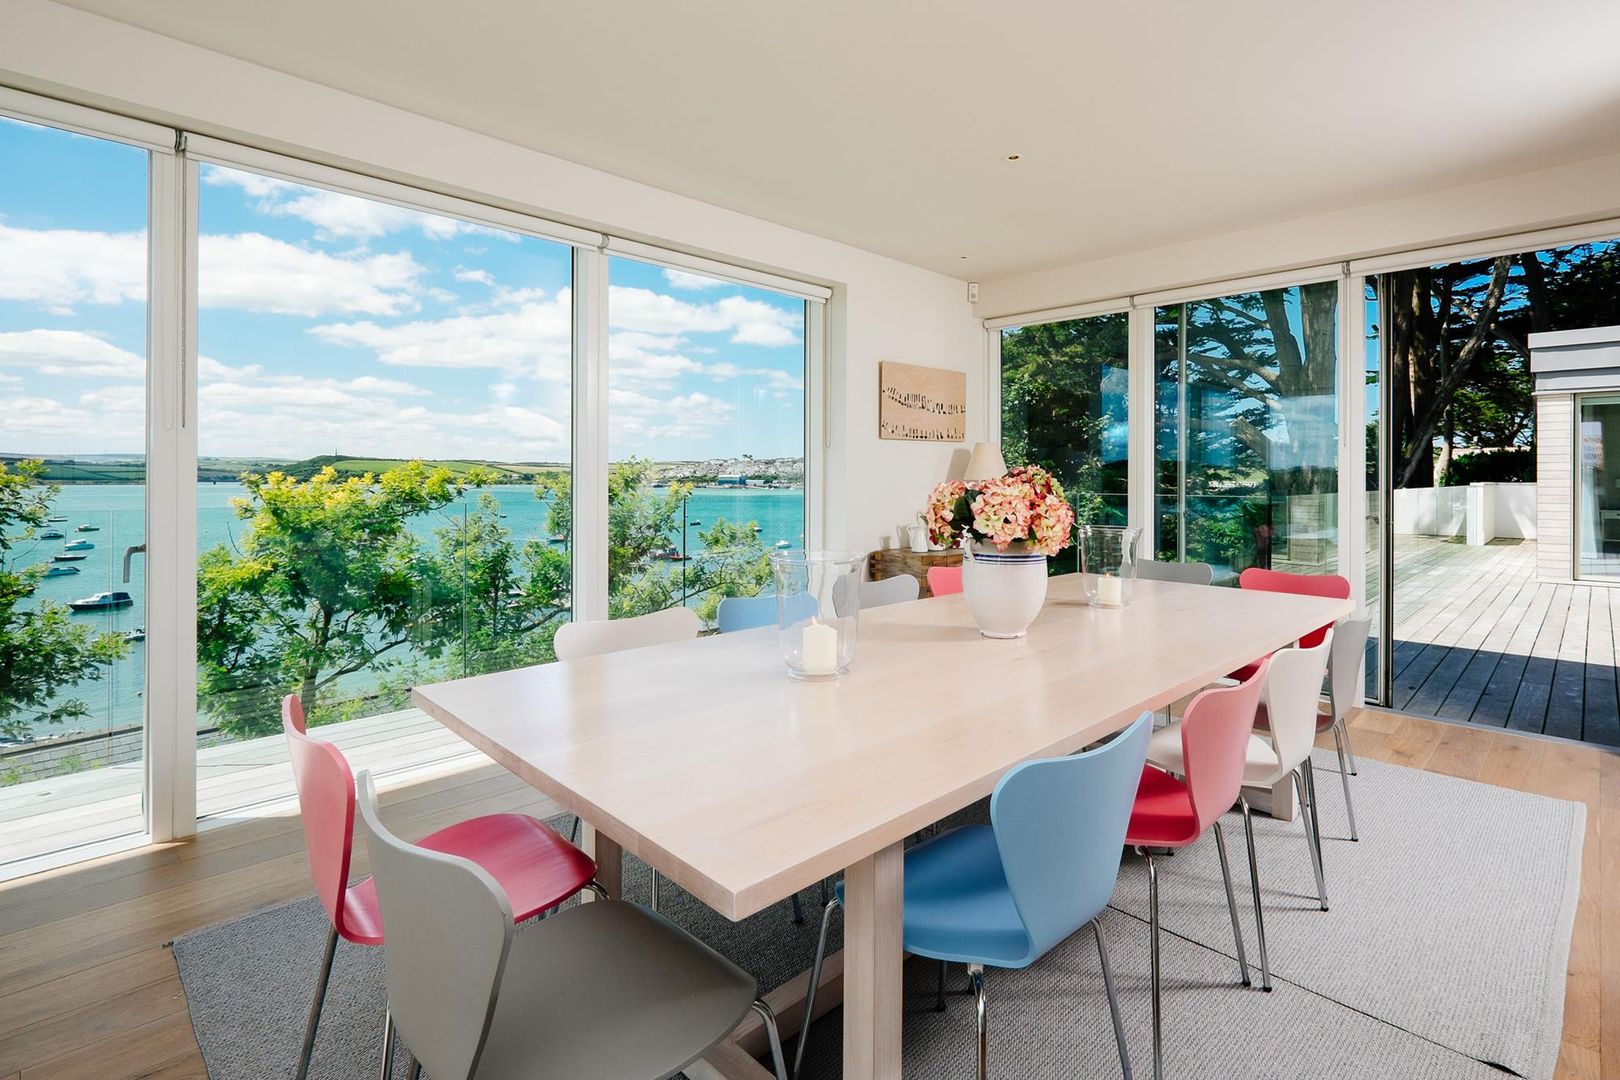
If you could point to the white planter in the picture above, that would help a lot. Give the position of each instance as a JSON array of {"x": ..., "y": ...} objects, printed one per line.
[{"x": 1004, "y": 590}]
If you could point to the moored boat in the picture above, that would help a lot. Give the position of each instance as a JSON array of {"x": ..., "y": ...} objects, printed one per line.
[
  {"x": 69, "y": 558},
  {"x": 79, "y": 545},
  {"x": 60, "y": 570},
  {"x": 88, "y": 528},
  {"x": 102, "y": 601}
]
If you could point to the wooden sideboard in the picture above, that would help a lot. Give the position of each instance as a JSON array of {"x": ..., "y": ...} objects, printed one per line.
[{"x": 892, "y": 562}]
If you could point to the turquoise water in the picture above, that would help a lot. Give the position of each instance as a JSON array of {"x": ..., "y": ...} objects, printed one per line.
[{"x": 118, "y": 513}]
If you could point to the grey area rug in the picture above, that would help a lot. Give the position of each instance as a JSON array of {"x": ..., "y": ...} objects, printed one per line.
[{"x": 1424, "y": 967}]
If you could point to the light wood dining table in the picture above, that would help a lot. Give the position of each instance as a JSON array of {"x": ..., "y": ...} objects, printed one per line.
[{"x": 744, "y": 786}]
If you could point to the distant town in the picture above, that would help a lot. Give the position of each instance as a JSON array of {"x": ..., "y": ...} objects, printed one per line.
[{"x": 744, "y": 471}]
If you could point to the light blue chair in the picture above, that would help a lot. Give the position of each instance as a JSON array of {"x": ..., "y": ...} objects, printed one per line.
[
  {"x": 751, "y": 612},
  {"x": 1005, "y": 894}
]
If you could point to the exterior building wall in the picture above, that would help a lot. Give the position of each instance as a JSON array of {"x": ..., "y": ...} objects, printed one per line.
[{"x": 1555, "y": 486}]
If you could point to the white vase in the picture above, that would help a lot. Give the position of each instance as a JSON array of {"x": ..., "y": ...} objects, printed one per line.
[{"x": 1004, "y": 590}]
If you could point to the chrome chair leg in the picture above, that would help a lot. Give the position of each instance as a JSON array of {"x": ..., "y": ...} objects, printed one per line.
[
  {"x": 1231, "y": 903},
  {"x": 976, "y": 979},
  {"x": 388, "y": 1045},
  {"x": 573, "y": 834},
  {"x": 939, "y": 1004},
  {"x": 778, "y": 1059},
  {"x": 1349, "y": 750},
  {"x": 655, "y": 890},
  {"x": 825, "y": 896},
  {"x": 1153, "y": 945},
  {"x": 1254, "y": 887},
  {"x": 1344, "y": 778},
  {"x": 416, "y": 1069},
  {"x": 1310, "y": 843},
  {"x": 810, "y": 991},
  {"x": 1316, "y": 825},
  {"x": 321, "y": 982},
  {"x": 798, "y": 911},
  {"x": 1113, "y": 999}
]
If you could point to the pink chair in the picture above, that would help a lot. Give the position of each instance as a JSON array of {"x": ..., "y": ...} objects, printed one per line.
[
  {"x": 1330, "y": 585},
  {"x": 537, "y": 868},
  {"x": 944, "y": 580},
  {"x": 1175, "y": 813}
]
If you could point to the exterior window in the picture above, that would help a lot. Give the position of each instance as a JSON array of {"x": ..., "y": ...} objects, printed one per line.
[{"x": 706, "y": 443}]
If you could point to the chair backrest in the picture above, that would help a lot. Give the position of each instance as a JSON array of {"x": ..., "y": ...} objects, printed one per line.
[
  {"x": 449, "y": 929},
  {"x": 1329, "y": 585},
  {"x": 1293, "y": 687},
  {"x": 751, "y": 612},
  {"x": 1060, "y": 826},
  {"x": 944, "y": 580},
  {"x": 1215, "y": 744},
  {"x": 893, "y": 590},
  {"x": 326, "y": 805},
  {"x": 576, "y": 640},
  {"x": 1344, "y": 665},
  {"x": 1187, "y": 573}
]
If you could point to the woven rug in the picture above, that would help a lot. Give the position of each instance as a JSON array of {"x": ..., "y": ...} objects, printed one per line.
[{"x": 1443, "y": 955}]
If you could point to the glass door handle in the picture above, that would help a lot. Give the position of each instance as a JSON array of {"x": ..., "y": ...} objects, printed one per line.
[{"x": 130, "y": 553}]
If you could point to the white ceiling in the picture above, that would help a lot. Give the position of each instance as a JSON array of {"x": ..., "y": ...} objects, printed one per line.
[{"x": 887, "y": 123}]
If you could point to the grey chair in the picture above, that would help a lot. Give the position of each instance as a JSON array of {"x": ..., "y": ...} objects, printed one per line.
[
  {"x": 1186, "y": 573},
  {"x": 604, "y": 990},
  {"x": 1344, "y": 693},
  {"x": 890, "y": 590}
]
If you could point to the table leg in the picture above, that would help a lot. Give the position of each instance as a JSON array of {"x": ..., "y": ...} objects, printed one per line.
[
  {"x": 872, "y": 966},
  {"x": 609, "y": 858}
]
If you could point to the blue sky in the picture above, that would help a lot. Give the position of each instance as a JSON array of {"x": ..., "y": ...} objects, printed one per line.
[{"x": 330, "y": 323}]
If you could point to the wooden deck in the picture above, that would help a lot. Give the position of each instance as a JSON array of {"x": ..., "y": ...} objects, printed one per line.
[
  {"x": 1479, "y": 639},
  {"x": 235, "y": 780}
]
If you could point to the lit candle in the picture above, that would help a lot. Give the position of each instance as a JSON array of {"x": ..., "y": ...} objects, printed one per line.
[
  {"x": 819, "y": 648},
  {"x": 1108, "y": 590}
]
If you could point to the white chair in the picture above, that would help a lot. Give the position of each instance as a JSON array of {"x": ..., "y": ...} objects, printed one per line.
[
  {"x": 577, "y": 640},
  {"x": 1288, "y": 707},
  {"x": 891, "y": 590},
  {"x": 605, "y": 989},
  {"x": 1344, "y": 693},
  {"x": 1186, "y": 573}
]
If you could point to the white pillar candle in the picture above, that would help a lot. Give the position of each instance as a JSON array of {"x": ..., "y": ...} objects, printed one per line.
[
  {"x": 819, "y": 649},
  {"x": 1108, "y": 590}
]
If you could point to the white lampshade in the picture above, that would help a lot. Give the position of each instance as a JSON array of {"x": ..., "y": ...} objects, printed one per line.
[{"x": 985, "y": 462}]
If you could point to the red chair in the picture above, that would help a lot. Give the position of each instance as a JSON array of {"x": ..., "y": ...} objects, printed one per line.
[
  {"x": 944, "y": 580},
  {"x": 537, "y": 868},
  {"x": 1174, "y": 813},
  {"x": 1331, "y": 586}
]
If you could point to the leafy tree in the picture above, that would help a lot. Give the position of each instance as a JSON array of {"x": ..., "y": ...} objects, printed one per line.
[
  {"x": 328, "y": 582},
  {"x": 42, "y": 652}
]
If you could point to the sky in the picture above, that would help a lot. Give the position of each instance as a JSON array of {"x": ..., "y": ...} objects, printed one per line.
[{"x": 334, "y": 324}]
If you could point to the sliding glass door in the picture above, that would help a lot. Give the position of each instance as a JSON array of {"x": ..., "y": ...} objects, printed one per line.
[
  {"x": 73, "y": 508},
  {"x": 1246, "y": 430},
  {"x": 383, "y": 472},
  {"x": 706, "y": 437}
]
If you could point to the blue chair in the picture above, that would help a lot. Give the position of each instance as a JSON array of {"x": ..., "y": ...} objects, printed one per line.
[
  {"x": 1005, "y": 894},
  {"x": 751, "y": 612}
]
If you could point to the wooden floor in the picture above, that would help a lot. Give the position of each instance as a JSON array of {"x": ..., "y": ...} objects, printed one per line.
[
  {"x": 1479, "y": 639},
  {"x": 88, "y": 990}
]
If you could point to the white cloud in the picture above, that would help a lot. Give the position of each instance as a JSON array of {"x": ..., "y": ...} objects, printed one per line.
[
  {"x": 750, "y": 322},
  {"x": 691, "y": 417},
  {"x": 257, "y": 273},
  {"x": 210, "y": 369},
  {"x": 682, "y": 279},
  {"x": 535, "y": 338},
  {"x": 481, "y": 277},
  {"x": 58, "y": 268},
  {"x": 337, "y": 216},
  {"x": 69, "y": 352},
  {"x": 37, "y": 418}
]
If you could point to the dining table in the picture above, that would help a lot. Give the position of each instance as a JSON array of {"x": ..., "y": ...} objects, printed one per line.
[{"x": 743, "y": 786}]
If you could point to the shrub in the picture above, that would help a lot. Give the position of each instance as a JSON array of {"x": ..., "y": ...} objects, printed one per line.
[{"x": 1514, "y": 464}]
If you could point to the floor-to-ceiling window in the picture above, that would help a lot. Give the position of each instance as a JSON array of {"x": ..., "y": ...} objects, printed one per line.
[
  {"x": 706, "y": 437},
  {"x": 73, "y": 384},
  {"x": 1064, "y": 406},
  {"x": 1246, "y": 430},
  {"x": 384, "y": 466}
]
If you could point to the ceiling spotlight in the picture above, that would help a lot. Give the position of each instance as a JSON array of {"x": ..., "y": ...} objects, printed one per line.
[
  {"x": 961, "y": 256},
  {"x": 1013, "y": 157}
]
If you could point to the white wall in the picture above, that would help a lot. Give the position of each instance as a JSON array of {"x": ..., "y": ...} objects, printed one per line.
[
  {"x": 882, "y": 310},
  {"x": 1444, "y": 511},
  {"x": 1562, "y": 195}
]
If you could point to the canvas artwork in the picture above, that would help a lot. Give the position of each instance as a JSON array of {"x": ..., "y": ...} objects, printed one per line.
[{"x": 921, "y": 403}]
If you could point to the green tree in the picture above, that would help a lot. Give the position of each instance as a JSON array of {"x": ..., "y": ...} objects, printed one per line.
[
  {"x": 329, "y": 582},
  {"x": 42, "y": 651}
]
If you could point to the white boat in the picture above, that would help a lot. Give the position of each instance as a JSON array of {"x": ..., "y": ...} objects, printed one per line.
[
  {"x": 88, "y": 528},
  {"x": 79, "y": 545},
  {"x": 60, "y": 571},
  {"x": 102, "y": 601}
]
